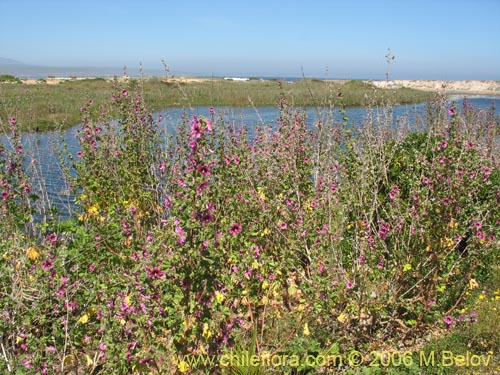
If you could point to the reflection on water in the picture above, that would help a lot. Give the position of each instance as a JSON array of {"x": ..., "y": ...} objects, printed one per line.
[{"x": 45, "y": 151}]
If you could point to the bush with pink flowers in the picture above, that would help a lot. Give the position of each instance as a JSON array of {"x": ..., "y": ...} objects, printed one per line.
[{"x": 291, "y": 240}]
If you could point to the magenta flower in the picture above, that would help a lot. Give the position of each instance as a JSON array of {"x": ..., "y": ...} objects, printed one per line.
[
  {"x": 168, "y": 202},
  {"x": 52, "y": 238},
  {"x": 124, "y": 92},
  {"x": 204, "y": 170},
  {"x": 47, "y": 265},
  {"x": 383, "y": 231},
  {"x": 349, "y": 284},
  {"x": 12, "y": 121},
  {"x": 155, "y": 273},
  {"x": 209, "y": 125},
  {"x": 283, "y": 225},
  {"x": 451, "y": 111},
  {"x": 394, "y": 192},
  {"x": 235, "y": 229},
  {"x": 196, "y": 129},
  {"x": 201, "y": 187},
  {"x": 448, "y": 320}
]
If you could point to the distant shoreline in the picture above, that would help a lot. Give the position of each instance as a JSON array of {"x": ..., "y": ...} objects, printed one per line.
[{"x": 446, "y": 87}]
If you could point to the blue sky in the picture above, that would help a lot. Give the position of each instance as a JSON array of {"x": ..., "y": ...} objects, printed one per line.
[{"x": 431, "y": 39}]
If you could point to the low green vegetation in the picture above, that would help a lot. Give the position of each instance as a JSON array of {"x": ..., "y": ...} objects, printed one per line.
[
  {"x": 300, "y": 250},
  {"x": 48, "y": 106},
  {"x": 7, "y": 78}
]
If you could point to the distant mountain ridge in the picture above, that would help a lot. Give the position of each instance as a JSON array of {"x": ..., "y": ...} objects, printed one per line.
[{"x": 6, "y": 61}]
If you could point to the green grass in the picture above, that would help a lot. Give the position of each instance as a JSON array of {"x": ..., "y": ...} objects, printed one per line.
[
  {"x": 48, "y": 106},
  {"x": 9, "y": 78}
]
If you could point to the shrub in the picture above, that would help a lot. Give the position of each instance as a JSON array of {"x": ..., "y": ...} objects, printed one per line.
[{"x": 282, "y": 239}]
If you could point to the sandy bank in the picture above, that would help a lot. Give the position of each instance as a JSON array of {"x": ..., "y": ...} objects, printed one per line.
[{"x": 445, "y": 87}]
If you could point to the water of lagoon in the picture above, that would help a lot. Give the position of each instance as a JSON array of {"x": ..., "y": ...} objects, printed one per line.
[{"x": 51, "y": 185}]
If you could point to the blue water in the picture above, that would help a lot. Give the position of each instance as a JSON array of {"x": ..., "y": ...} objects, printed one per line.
[{"x": 43, "y": 157}]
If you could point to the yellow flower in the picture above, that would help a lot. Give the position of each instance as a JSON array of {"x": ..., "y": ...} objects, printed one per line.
[
  {"x": 32, "y": 253},
  {"x": 93, "y": 210},
  {"x": 84, "y": 319},
  {"x": 265, "y": 232},
  {"x": 342, "y": 318},
  {"x": 219, "y": 297},
  {"x": 407, "y": 267},
  {"x": 447, "y": 242},
  {"x": 206, "y": 331},
  {"x": 89, "y": 360},
  {"x": 82, "y": 217},
  {"x": 306, "y": 330},
  {"x": 453, "y": 224},
  {"x": 473, "y": 284},
  {"x": 260, "y": 194}
]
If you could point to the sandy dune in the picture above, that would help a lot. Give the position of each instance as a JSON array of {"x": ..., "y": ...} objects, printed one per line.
[{"x": 446, "y": 87}]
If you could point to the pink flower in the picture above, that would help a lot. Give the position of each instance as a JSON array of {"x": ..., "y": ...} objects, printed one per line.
[
  {"x": 168, "y": 202},
  {"x": 204, "y": 170},
  {"x": 52, "y": 238},
  {"x": 47, "y": 265},
  {"x": 155, "y": 273},
  {"x": 12, "y": 121},
  {"x": 283, "y": 225},
  {"x": 51, "y": 349},
  {"x": 448, "y": 320},
  {"x": 321, "y": 268},
  {"x": 124, "y": 92},
  {"x": 451, "y": 111},
  {"x": 201, "y": 187},
  {"x": 394, "y": 192},
  {"x": 349, "y": 284},
  {"x": 196, "y": 129},
  {"x": 383, "y": 231},
  {"x": 235, "y": 229}
]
